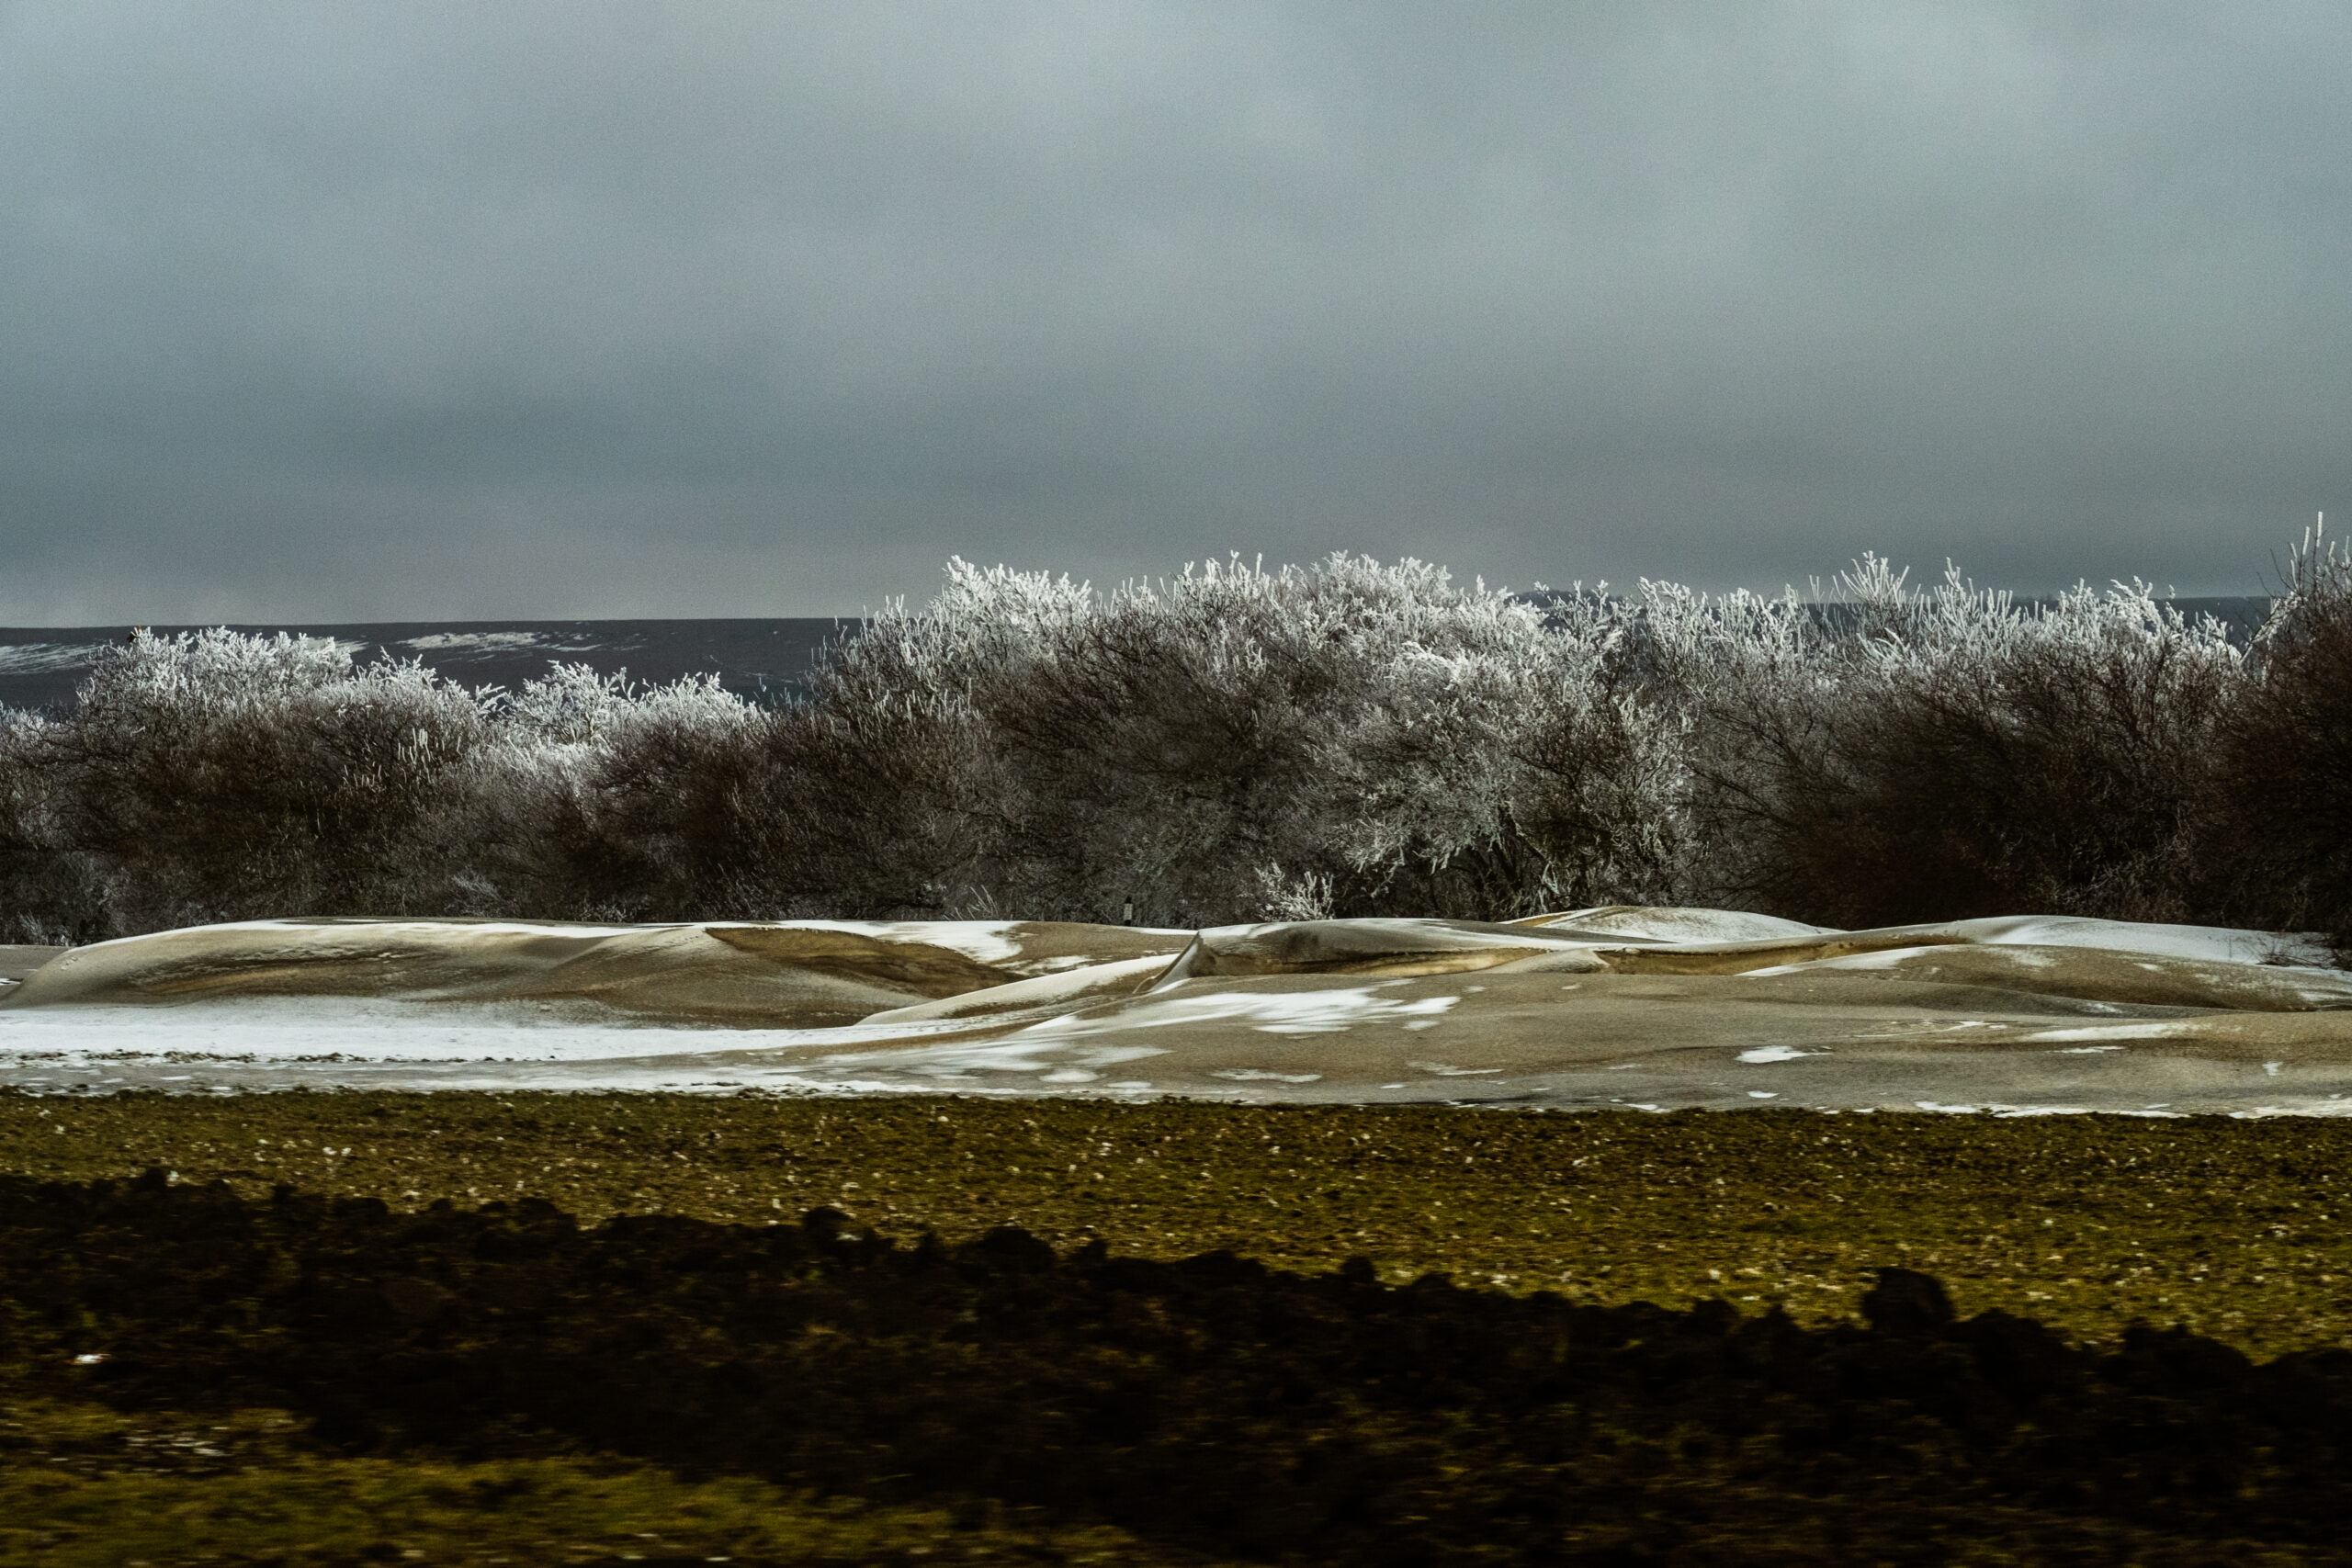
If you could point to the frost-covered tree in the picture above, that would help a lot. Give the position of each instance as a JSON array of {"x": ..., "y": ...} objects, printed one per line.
[
  {"x": 613, "y": 801},
  {"x": 1234, "y": 743},
  {"x": 1348, "y": 739},
  {"x": 51, "y": 892},
  {"x": 212, "y": 775},
  {"x": 1898, "y": 755},
  {"x": 2284, "y": 853}
]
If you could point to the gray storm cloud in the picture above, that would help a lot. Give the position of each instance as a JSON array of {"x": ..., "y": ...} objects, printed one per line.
[{"x": 484, "y": 311}]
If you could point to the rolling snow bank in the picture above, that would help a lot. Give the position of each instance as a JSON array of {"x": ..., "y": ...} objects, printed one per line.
[{"x": 1622, "y": 1005}]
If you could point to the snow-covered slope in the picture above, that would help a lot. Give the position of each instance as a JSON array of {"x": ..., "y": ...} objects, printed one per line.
[{"x": 1648, "y": 1008}]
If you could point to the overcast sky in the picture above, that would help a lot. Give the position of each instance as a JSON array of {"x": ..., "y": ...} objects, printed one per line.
[{"x": 477, "y": 310}]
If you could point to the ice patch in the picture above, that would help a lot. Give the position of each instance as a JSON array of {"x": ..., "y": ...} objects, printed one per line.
[
  {"x": 1763, "y": 1054},
  {"x": 1271, "y": 1012},
  {"x": 1254, "y": 1074},
  {"x": 359, "y": 1029},
  {"x": 2221, "y": 943},
  {"x": 357, "y": 931},
  {"x": 2151, "y": 1029},
  {"x": 983, "y": 942},
  {"x": 2335, "y": 1105},
  {"x": 1616, "y": 923},
  {"x": 954, "y": 1060},
  {"x": 1443, "y": 1071},
  {"x": 2000, "y": 1113},
  {"x": 1884, "y": 958}
]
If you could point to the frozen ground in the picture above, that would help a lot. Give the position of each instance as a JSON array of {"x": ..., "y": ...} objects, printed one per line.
[{"x": 1654, "y": 1010}]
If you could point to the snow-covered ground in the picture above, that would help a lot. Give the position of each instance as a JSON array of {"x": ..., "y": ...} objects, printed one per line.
[{"x": 1651, "y": 1009}]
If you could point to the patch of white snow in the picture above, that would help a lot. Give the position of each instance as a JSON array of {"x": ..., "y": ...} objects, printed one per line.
[
  {"x": 1763, "y": 1054},
  {"x": 1272, "y": 1012}
]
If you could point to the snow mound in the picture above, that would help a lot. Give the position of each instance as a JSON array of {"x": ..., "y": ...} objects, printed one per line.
[
  {"x": 1594, "y": 1008},
  {"x": 1396, "y": 948},
  {"x": 1659, "y": 923},
  {"x": 802, "y": 974}
]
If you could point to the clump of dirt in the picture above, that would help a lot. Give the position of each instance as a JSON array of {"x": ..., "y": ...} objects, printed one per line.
[{"x": 1205, "y": 1404}]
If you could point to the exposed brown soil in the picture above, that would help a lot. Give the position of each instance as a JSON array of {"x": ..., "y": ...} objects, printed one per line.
[
  {"x": 1207, "y": 1404},
  {"x": 352, "y": 1364},
  {"x": 2232, "y": 1228}
]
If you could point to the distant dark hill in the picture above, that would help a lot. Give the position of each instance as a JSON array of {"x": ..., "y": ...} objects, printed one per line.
[
  {"x": 759, "y": 659},
  {"x": 42, "y": 665}
]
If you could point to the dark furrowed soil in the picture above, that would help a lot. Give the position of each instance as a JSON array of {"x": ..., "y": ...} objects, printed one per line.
[
  {"x": 341, "y": 1372},
  {"x": 996, "y": 1396},
  {"x": 2234, "y": 1229}
]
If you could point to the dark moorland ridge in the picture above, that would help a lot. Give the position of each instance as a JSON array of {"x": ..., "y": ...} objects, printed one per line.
[
  {"x": 1207, "y": 1404},
  {"x": 40, "y": 667}
]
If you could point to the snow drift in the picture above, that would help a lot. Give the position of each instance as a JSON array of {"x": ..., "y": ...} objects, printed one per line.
[{"x": 1649, "y": 1007}]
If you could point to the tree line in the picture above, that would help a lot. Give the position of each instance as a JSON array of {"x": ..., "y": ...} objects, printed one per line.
[{"x": 1234, "y": 744}]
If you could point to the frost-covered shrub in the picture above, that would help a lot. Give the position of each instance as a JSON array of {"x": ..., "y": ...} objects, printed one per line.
[
  {"x": 212, "y": 775},
  {"x": 1188, "y": 746},
  {"x": 1752, "y": 681},
  {"x": 1604, "y": 789},
  {"x": 50, "y": 893},
  {"x": 2286, "y": 760},
  {"x": 906, "y": 773},
  {"x": 1908, "y": 756},
  {"x": 1353, "y": 739},
  {"x": 1236, "y": 743},
  {"x": 620, "y": 802}
]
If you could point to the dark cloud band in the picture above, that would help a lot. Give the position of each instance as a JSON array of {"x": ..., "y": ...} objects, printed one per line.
[{"x": 418, "y": 311}]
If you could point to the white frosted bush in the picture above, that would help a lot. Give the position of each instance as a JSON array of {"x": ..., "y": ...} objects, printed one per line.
[
  {"x": 2284, "y": 850},
  {"x": 1235, "y": 743},
  {"x": 618, "y": 801},
  {"x": 217, "y": 775},
  {"x": 49, "y": 891},
  {"x": 1898, "y": 755}
]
